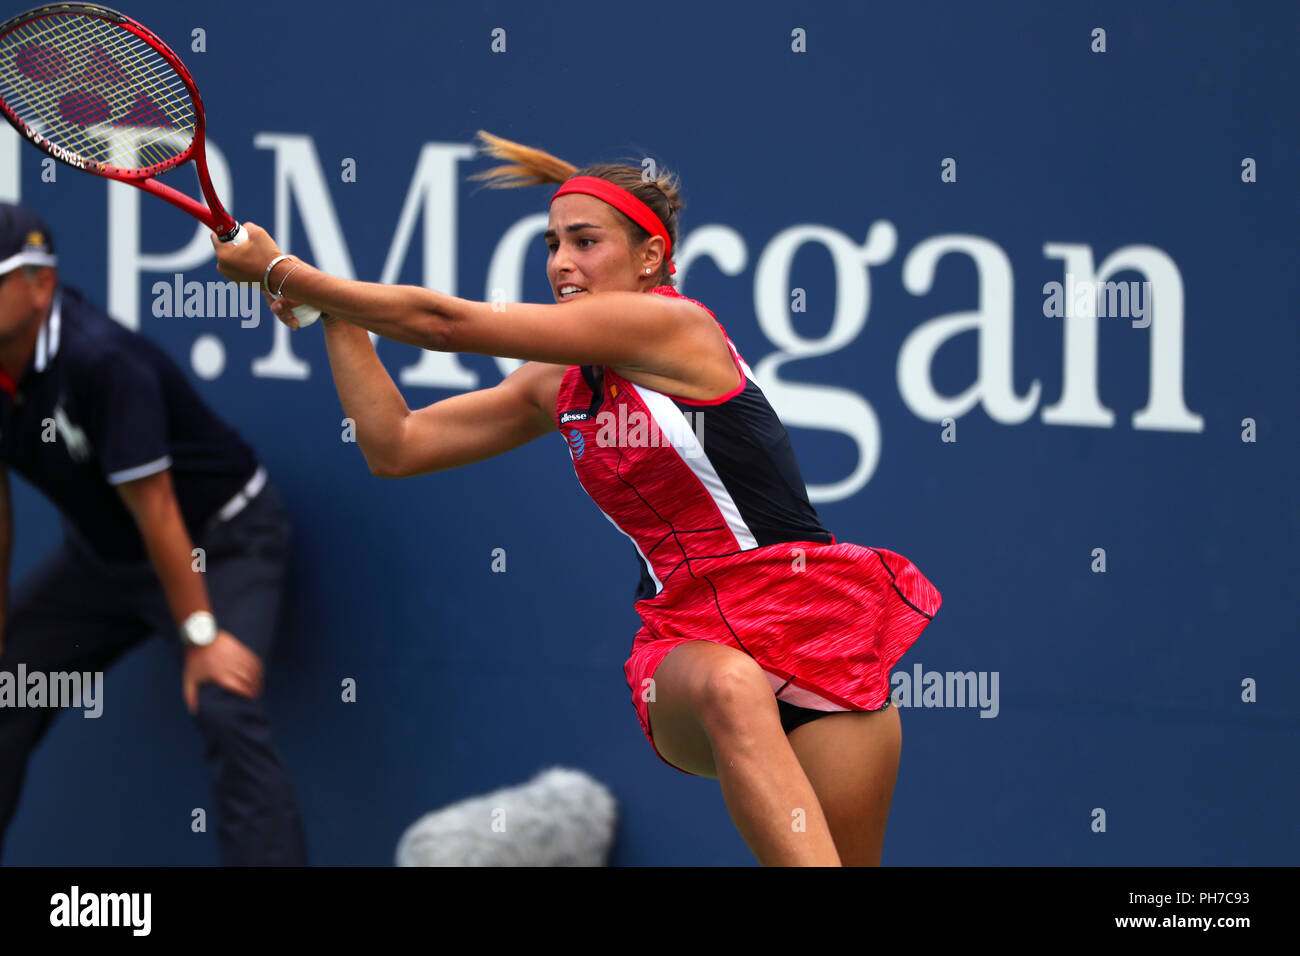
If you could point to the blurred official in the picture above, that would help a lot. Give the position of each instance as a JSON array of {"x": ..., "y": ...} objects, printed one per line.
[{"x": 103, "y": 423}]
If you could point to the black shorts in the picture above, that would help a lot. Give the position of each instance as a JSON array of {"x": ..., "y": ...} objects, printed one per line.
[{"x": 792, "y": 716}]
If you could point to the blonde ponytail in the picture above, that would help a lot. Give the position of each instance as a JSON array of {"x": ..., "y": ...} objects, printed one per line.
[{"x": 528, "y": 166}]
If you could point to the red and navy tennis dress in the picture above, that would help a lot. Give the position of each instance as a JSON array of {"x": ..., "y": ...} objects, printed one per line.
[{"x": 730, "y": 548}]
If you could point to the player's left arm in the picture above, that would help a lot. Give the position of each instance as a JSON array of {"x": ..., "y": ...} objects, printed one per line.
[{"x": 622, "y": 329}]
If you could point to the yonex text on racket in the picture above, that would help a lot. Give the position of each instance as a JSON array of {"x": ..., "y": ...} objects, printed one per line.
[{"x": 102, "y": 93}]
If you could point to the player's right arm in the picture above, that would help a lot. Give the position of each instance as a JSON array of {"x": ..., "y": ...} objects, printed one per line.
[{"x": 399, "y": 443}]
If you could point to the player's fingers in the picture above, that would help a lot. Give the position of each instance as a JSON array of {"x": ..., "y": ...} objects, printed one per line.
[
  {"x": 283, "y": 311},
  {"x": 238, "y": 682},
  {"x": 218, "y": 247},
  {"x": 280, "y": 312},
  {"x": 244, "y": 667},
  {"x": 251, "y": 670},
  {"x": 190, "y": 689}
]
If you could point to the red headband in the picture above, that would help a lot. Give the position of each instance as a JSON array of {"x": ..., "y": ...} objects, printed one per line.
[{"x": 624, "y": 202}]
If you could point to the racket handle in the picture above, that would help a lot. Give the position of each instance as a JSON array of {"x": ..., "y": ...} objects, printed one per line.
[{"x": 305, "y": 314}]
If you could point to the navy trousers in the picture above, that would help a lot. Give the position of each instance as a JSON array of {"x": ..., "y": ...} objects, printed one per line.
[{"x": 76, "y": 612}]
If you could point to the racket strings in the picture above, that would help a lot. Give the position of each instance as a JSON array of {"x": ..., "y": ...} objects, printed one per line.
[{"x": 96, "y": 89}]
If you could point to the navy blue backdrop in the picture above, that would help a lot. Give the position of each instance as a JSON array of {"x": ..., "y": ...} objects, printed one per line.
[{"x": 899, "y": 165}]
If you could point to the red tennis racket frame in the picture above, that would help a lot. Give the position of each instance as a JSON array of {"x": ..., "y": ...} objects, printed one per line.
[{"x": 214, "y": 215}]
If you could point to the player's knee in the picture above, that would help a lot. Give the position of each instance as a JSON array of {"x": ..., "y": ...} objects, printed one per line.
[{"x": 731, "y": 693}]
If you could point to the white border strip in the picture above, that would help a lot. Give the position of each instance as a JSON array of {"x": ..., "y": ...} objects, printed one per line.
[
  {"x": 242, "y": 497},
  {"x": 659, "y": 585},
  {"x": 47, "y": 339},
  {"x": 141, "y": 471},
  {"x": 673, "y": 424},
  {"x": 27, "y": 259},
  {"x": 801, "y": 697},
  {"x": 650, "y": 568}
]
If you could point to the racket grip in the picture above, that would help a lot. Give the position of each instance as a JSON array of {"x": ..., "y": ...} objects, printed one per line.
[{"x": 305, "y": 314}]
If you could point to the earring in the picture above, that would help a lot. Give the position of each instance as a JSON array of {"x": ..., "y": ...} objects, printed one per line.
[{"x": 647, "y": 272}]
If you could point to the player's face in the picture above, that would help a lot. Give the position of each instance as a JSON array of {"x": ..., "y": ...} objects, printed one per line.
[
  {"x": 589, "y": 249},
  {"x": 24, "y": 299}
]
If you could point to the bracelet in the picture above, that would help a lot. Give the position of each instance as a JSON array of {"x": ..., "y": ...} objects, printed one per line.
[
  {"x": 279, "y": 293},
  {"x": 267, "y": 275}
]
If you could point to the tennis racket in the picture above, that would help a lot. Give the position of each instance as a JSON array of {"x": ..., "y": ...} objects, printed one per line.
[{"x": 100, "y": 92}]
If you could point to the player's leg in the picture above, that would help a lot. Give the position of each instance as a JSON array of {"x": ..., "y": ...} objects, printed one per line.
[
  {"x": 714, "y": 714},
  {"x": 851, "y": 759},
  {"x": 62, "y": 618},
  {"x": 258, "y": 820}
]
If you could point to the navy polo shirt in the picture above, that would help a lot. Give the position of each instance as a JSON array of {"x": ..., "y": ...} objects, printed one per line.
[{"x": 117, "y": 408}]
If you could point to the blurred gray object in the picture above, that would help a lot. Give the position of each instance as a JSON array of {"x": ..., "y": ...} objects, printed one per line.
[{"x": 559, "y": 818}]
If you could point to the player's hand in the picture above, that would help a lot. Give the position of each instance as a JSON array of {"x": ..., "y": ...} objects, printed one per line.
[
  {"x": 247, "y": 261},
  {"x": 282, "y": 309},
  {"x": 225, "y": 662}
]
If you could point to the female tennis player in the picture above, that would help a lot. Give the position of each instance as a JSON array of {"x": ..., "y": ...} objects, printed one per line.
[{"x": 764, "y": 657}]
